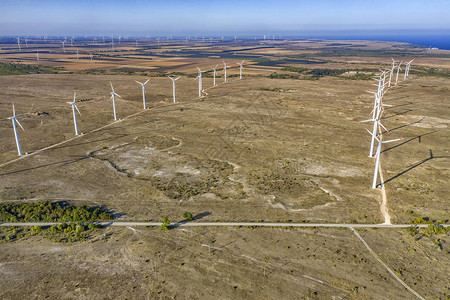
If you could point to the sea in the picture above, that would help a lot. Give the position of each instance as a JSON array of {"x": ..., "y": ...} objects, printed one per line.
[{"x": 439, "y": 39}]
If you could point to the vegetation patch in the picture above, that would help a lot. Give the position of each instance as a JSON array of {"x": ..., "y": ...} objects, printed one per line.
[
  {"x": 51, "y": 212},
  {"x": 21, "y": 69},
  {"x": 61, "y": 233}
]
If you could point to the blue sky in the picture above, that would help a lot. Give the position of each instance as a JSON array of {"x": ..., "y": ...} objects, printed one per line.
[{"x": 138, "y": 17}]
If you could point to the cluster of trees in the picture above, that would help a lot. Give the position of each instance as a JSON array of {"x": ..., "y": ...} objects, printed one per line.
[
  {"x": 19, "y": 69},
  {"x": 51, "y": 212},
  {"x": 62, "y": 233}
]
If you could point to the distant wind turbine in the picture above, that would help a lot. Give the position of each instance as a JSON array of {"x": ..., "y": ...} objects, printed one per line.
[
  {"x": 113, "y": 98},
  {"x": 143, "y": 90},
  {"x": 225, "y": 70},
  {"x": 215, "y": 70},
  {"x": 37, "y": 55},
  {"x": 64, "y": 49},
  {"x": 173, "y": 83},
  {"x": 240, "y": 68},
  {"x": 200, "y": 82},
  {"x": 408, "y": 65},
  {"x": 18, "y": 43},
  {"x": 398, "y": 70},
  {"x": 14, "y": 121},
  {"x": 74, "y": 106}
]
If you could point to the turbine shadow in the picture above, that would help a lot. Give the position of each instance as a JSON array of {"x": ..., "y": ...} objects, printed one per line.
[
  {"x": 196, "y": 217},
  {"x": 398, "y": 114},
  {"x": 395, "y": 106},
  {"x": 62, "y": 163},
  {"x": 406, "y": 125},
  {"x": 410, "y": 140},
  {"x": 415, "y": 165}
]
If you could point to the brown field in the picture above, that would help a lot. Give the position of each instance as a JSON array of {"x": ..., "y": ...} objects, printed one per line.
[{"x": 250, "y": 150}]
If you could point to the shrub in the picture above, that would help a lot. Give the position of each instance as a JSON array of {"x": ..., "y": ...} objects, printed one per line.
[{"x": 188, "y": 216}]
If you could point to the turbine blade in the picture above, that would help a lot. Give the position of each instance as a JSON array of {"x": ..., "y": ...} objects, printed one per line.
[
  {"x": 390, "y": 141},
  {"x": 138, "y": 82},
  {"x": 17, "y": 121},
  {"x": 118, "y": 95},
  {"x": 370, "y": 120},
  {"x": 372, "y": 135},
  {"x": 76, "y": 107},
  {"x": 146, "y": 81},
  {"x": 383, "y": 126},
  {"x": 14, "y": 109},
  {"x": 177, "y": 78},
  {"x": 74, "y": 96},
  {"x": 111, "y": 86}
]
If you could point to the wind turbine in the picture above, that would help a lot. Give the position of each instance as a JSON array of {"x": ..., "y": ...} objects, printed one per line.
[
  {"x": 74, "y": 106},
  {"x": 112, "y": 45},
  {"x": 391, "y": 72},
  {"x": 90, "y": 54},
  {"x": 376, "y": 124},
  {"x": 26, "y": 42},
  {"x": 398, "y": 70},
  {"x": 113, "y": 98},
  {"x": 377, "y": 158},
  {"x": 225, "y": 70},
  {"x": 14, "y": 121},
  {"x": 37, "y": 55},
  {"x": 200, "y": 82},
  {"x": 143, "y": 90},
  {"x": 77, "y": 54},
  {"x": 407, "y": 69},
  {"x": 18, "y": 43},
  {"x": 173, "y": 83},
  {"x": 240, "y": 68},
  {"x": 215, "y": 70},
  {"x": 64, "y": 49}
]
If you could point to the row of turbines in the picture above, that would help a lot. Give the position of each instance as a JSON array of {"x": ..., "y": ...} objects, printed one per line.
[
  {"x": 385, "y": 81},
  {"x": 113, "y": 95},
  {"x": 112, "y": 43}
]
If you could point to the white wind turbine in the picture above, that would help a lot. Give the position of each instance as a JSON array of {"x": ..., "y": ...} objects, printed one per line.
[
  {"x": 14, "y": 121},
  {"x": 26, "y": 42},
  {"x": 173, "y": 83},
  {"x": 18, "y": 43},
  {"x": 240, "y": 68},
  {"x": 63, "y": 42},
  {"x": 377, "y": 158},
  {"x": 200, "y": 82},
  {"x": 225, "y": 70},
  {"x": 391, "y": 72},
  {"x": 215, "y": 70},
  {"x": 77, "y": 54},
  {"x": 143, "y": 90},
  {"x": 376, "y": 124},
  {"x": 91, "y": 55},
  {"x": 408, "y": 64},
  {"x": 74, "y": 106},
  {"x": 113, "y": 98},
  {"x": 37, "y": 55},
  {"x": 398, "y": 70}
]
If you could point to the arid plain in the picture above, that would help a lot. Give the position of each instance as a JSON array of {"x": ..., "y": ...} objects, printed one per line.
[{"x": 284, "y": 144}]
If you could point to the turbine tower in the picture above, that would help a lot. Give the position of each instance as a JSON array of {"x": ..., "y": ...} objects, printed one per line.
[
  {"x": 215, "y": 71},
  {"x": 37, "y": 55},
  {"x": 398, "y": 70},
  {"x": 18, "y": 43},
  {"x": 143, "y": 90},
  {"x": 113, "y": 98},
  {"x": 225, "y": 70},
  {"x": 74, "y": 106},
  {"x": 64, "y": 49},
  {"x": 173, "y": 83},
  {"x": 240, "y": 68},
  {"x": 14, "y": 121},
  {"x": 408, "y": 64},
  {"x": 200, "y": 82}
]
